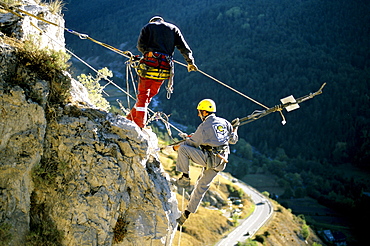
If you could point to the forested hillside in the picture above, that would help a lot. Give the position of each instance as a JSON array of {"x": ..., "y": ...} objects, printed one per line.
[{"x": 267, "y": 49}]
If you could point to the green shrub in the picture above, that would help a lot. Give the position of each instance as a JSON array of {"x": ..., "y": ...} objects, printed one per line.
[
  {"x": 120, "y": 230},
  {"x": 47, "y": 170},
  {"x": 305, "y": 231},
  {"x": 94, "y": 89},
  {"x": 46, "y": 64},
  {"x": 260, "y": 238},
  {"x": 266, "y": 194},
  {"x": 249, "y": 242}
]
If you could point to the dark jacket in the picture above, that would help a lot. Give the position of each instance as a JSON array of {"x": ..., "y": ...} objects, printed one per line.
[{"x": 163, "y": 37}]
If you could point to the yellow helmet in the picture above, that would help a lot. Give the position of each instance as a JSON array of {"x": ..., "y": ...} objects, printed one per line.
[{"x": 207, "y": 105}]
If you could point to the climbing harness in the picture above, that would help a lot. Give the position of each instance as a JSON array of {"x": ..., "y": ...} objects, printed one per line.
[
  {"x": 214, "y": 151},
  {"x": 155, "y": 65},
  {"x": 289, "y": 103},
  {"x": 158, "y": 66}
]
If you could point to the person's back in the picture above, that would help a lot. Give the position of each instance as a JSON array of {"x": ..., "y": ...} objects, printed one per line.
[
  {"x": 163, "y": 37},
  {"x": 157, "y": 37},
  {"x": 157, "y": 42}
]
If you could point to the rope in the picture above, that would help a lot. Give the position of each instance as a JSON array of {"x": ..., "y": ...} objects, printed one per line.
[
  {"x": 133, "y": 64},
  {"x": 129, "y": 55},
  {"x": 257, "y": 114},
  {"x": 80, "y": 35},
  {"x": 158, "y": 116},
  {"x": 83, "y": 36},
  {"x": 227, "y": 86},
  {"x": 126, "y": 111},
  {"x": 166, "y": 122},
  {"x": 126, "y": 54},
  {"x": 182, "y": 208}
]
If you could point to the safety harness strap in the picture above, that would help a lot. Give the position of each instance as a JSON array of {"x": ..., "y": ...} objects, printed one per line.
[
  {"x": 214, "y": 151},
  {"x": 155, "y": 65}
]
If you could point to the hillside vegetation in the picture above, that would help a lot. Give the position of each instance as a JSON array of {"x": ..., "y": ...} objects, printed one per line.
[
  {"x": 268, "y": 50},
  {"x": 208, "y": 226}
]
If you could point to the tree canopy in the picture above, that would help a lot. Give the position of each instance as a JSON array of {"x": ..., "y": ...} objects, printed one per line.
[{"x": 266, "y": 49}]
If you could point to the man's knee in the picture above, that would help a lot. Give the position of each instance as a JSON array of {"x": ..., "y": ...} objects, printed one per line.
[{"x": 184, "y": 150}]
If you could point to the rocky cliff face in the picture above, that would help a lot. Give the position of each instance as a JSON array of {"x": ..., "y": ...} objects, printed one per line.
[{"x": 71, "y": 174}]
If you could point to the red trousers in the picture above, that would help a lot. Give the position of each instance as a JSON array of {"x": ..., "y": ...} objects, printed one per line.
[{"x": 147, "y": 88}]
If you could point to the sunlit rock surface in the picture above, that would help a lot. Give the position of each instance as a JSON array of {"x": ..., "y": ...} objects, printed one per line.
[{"x": 87, "y": 176}]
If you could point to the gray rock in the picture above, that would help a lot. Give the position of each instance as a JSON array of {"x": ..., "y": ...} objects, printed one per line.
[{"x": 86, "y": 176}]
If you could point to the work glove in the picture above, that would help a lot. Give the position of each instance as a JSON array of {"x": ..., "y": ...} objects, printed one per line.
[{"x": 192, "y": 67}]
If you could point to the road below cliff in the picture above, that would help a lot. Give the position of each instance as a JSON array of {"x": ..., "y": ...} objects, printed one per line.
[{"x": 249, "y": 226}]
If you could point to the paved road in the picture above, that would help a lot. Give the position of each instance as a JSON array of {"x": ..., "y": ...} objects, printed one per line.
[{"x": 249, "y": 226}]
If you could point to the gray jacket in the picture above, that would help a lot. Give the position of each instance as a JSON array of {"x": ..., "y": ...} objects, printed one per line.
[{"x": 214, "y": 131}]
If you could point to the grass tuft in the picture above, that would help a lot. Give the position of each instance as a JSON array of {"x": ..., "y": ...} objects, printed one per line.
[
  {"x": 43, "y": 230},
  {"x": 119, "y": 230},
  {"x": 5, "y": 235},
  {"x": 56, "y": 6}
]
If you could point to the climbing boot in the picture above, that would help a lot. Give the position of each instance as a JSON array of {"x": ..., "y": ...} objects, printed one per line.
[
  {"x": 181, "y": 220},
  {"x": 183, "y": 182}
]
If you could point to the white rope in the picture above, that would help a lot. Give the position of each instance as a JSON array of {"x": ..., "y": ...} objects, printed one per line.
[
  {"x": 227, "y": 86},
  {"x": 182, "y": 208},
  {"x": 107, "y": 79},
  {"x": 127, "y": 85},
  {"x": 126, "y": 54}
]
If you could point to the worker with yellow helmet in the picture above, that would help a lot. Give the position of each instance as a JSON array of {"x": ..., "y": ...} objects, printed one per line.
[{"x": 208, "y": 147}]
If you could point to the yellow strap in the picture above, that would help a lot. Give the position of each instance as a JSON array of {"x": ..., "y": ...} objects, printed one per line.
[{"x": 152, "y": 73}]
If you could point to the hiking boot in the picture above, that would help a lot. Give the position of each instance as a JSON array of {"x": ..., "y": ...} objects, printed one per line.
[
  {"x": 181, "y": 220},
  {"x": 183, "y": 182}
]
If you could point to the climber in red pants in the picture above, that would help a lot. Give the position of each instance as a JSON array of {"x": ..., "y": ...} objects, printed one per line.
[
  {"x": 157, "y": 42},
  {"x": 147, "y": 89}
]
